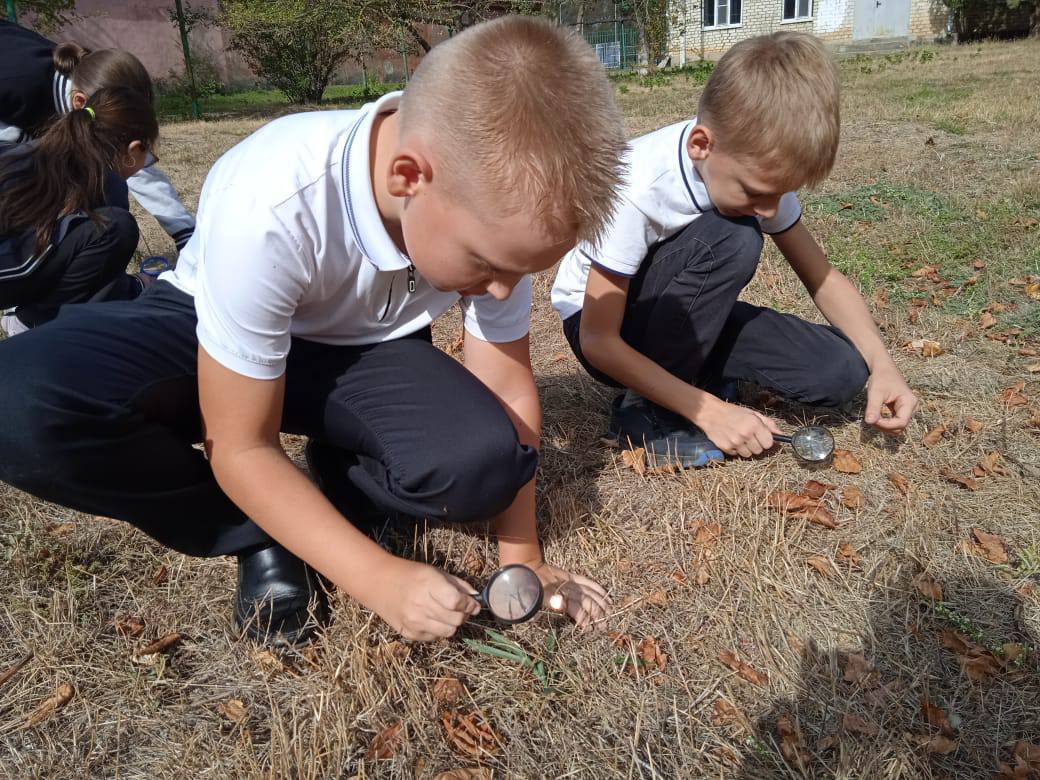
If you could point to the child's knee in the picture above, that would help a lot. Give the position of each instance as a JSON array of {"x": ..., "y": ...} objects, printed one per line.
[{"x": 842, "y": 376}]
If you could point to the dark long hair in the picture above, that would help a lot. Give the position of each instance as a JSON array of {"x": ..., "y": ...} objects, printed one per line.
[
  {"x": 90, "y": 71},
  {"x": 64, "y": 171}
]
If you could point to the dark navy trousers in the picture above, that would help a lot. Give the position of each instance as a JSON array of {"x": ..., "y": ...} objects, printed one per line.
[
  {"x": 684, "y": 314},
  {"x": 101, "y": 412}
]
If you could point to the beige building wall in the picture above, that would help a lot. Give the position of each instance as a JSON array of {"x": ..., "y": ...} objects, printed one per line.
[{"x": 831, "y": 20}]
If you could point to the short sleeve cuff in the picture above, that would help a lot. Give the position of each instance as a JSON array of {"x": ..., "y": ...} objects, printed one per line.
[
  {"x": 240, "y": 364},
  {"x": 613, "y": 266},
  {"x": 794, "y": 222},
  {"x": 497, "y": 334}
]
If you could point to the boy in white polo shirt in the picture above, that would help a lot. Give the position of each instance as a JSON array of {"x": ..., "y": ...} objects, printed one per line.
[
  {"x": 654, "y": 307},
  {"x": 326, "y": 244}
]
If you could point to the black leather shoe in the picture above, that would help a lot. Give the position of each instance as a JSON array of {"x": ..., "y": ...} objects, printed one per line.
[
  {"x": 667, "y": 437},
  {"x": 279, "y": 600}
]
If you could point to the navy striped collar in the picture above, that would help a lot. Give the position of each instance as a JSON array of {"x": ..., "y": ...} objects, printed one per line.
[
  {"x": 691, "y": 178},
  {"x": 359, "y": 201},
  {"x": 61, "y": 93}
]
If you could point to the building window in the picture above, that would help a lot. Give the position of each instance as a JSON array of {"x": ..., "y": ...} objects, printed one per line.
[
  {"x": 797, "y": 9},
  {"x": 721, "y": 13}
]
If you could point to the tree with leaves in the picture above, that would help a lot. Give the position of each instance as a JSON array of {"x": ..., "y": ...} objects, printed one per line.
[
  {"x": 297, "y": 45},
  {"x": 46, "y": 15}
]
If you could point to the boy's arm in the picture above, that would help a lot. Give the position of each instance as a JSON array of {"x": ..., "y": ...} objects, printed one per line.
[
  {"x": 845, "y": 308},
  {"x": 736, "y": 430},
  {"x": 241, "y": 418},
  {"x": 154, "y": 191},
  {"x": 505, "y": 369}
]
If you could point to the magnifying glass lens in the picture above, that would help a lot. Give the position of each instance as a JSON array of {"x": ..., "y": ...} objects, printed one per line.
[
  {"x": 813, "y": 443},
  {"x": 514, "y": 593}
]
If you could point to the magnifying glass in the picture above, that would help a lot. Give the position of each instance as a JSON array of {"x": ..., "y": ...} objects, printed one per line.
[
  {"x": 153, "y": 265},
  {"x": 512, "y": 595},
  {"x": 811, "y": 443}
]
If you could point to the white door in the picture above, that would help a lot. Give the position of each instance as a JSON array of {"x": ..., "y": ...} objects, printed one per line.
[{"x": 881, "y": 19}]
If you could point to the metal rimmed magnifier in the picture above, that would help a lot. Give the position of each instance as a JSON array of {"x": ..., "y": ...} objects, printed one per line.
[
  {"x": 811, "y": 443},
  {"x": 512, "y": 595}
]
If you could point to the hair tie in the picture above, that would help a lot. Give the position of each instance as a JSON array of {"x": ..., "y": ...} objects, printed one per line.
[{"x": 90, "y": 111}]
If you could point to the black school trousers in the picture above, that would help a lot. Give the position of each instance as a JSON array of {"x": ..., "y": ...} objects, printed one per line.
[
  {"x": 101, "y": 413},
  {"x": 684, "y": 314}
]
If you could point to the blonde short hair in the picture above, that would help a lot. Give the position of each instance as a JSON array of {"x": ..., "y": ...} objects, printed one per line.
[
  {"x": 775, "y": 100},
  {"x": 520, "y": 113}
]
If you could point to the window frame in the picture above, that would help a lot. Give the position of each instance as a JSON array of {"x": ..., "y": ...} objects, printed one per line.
[
  {"x": 729, "y": 25},
  {"x": 797, "y": 19}
]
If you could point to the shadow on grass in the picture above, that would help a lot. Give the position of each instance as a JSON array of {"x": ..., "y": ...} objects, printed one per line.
[{"x": 939, "y": 690}]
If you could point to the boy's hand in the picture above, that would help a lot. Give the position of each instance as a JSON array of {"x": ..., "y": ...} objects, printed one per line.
[
  {"x": 424, "y": 603},
  {"x": 584, "y": 600},
  {"x": 738, "y": 431},
  {"x": 886, "y": 387}
]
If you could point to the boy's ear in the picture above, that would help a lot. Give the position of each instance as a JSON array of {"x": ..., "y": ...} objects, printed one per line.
[
  {"x": 700, "y": 142},
  {"x": 409, "y": 172},
  {"x": 79, "y": 99}
]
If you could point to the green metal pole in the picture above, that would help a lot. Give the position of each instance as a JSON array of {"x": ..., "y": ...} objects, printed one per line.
[
  {"x": 12, "y": 14},
  {"x": 195, "y": 110}
]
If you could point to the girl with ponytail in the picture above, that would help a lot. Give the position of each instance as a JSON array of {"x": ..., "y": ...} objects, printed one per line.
[
  {"x": 66, "y": 232},
  {"x": 41, "y": 80}
]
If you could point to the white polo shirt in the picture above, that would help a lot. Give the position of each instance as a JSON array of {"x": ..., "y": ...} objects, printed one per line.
[
  {"x": 662, "y": 193},
  {"x": 289, "y": 242}
]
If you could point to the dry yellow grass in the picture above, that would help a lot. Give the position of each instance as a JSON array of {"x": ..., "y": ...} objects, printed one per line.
[{"x": 314, "y": 713}]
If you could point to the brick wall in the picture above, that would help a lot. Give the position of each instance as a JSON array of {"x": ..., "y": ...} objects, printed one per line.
[{"x": 832, "y": 20}]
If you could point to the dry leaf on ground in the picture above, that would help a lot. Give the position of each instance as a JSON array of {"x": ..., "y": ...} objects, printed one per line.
[
  {"x": 658, "y": 598},
  {"x": 128, "y": 625},
  {"x": 727, "y": 713},
  {"x": 1027, "y": 763},
  {"x": 902, "y": 484},
  {"x": 678, "y": 576},
  {"x": 928, "y": 587},
  {"x": 992, "y": 547},
  {"x": 989, "y": 465},
  {"x": 934, "y": 436},
  {"x": 852, "y": 497},
  {"x": 859, "y": 671},
  {"x": 924, "y": 347},
  {"x": 473, "y": 564},
  {"x": 976, "y": 661},
  {"x": 846, "y": 462},
  {"x": 385, "y": 744},
  {"x": 822, "y": 565},
  {"x": 987, "y": 320},
  {"x": 470, "y": 734},
  {"x": 1012, "y": 396},
  {"x": 801, "y": 506},
  {"x": 59, "y": 529},
  {"x": 940, "y": 744},
  {"x": 448, "y": 690},
  {"x": 635, "y": 460},
  {"x": 854, "y": 724},
  {"x": 847, "y": 554},
  {"x": 792, "y": 742},
  {"x": 814, "y": 489},
  {"x": 62, "y": 695},
  {"x": 935, "y": 716},
  {"x": 970, "y": 483},
  {"x": 161, "y": 575},
  {"x": 164, "y": 642},
  {"x": 705, "y": 534},
  {"x": 234, "y": 710},
  {"x": 466, "y": 773},
  {"x": 744, "y": 670},
  {"x": 973, "y": 425},
  {"x": 703, "y": 575}
]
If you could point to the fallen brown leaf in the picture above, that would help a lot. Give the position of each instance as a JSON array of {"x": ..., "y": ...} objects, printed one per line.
[
  {"x": 1033, "y": 290},
  {"x": 448, "y": 690},
  {"x": 161, "y": 575},
  {"x": 973, "y": 425},
  {"x": 635, "y": 460},
  {"x": 162, "y": 643},
  {"x": 990, "y": 546},
  {"x": 62, "y": 695},
  {"x": 814, "y": 489},
  {"x": 473, "y": 563},
  {"x": 678, "y": 576},
  {"x": 846, "y": 462},
  {"x": 1012, "y": 396},
  {"x": 847, "y": 553},
  {"x": 990, "y": 464},
  {"x": 269, "y": 663},
  {"x": 703, "y": 575},
  {"x": 928, "y": 587},
  {"x": 977, "y": 662},
  {"x": 940, "y": 744},
  {"x": 792, "y": 742},
  {"x": 924, "y": 347},
  {"x": 470, "y": 734},
  {"x": 902, "y": 484},
  {"x": 234, "y": 710},
  {"x": 658, "y": 598},
  {"x": 859, "y": 671},
  {"x": 1027, "y": 763},
  {"x": 465, "y": 773},
  {"x": 744, "y": 670},
  {"x": 385, "y": 744},
  {"x": 727, "y": 714},
  {"x": 854, "y": 724},
  {"x": 987, "y": 320},
  {"x": 966, "y": 482},
  {"x": 59, "y": 529},
  {"x": 705, "y": 534},
  {"x": 822, "y": 565},
  {"x": 128, "y": 625},
  {"x": 651, "y": 655},
  {"x": 935, "y": 716},
  {"x": 852, "y": 497},
  {"x": 934, "y": 436}
]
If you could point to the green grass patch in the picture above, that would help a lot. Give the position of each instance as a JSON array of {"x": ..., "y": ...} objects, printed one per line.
[
  {"x": 951, "y": 127},
  {"x": 250, "y": 102}
]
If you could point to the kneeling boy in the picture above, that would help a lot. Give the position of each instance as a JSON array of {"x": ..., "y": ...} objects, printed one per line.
[
  {"x": 326, "y": 244},
  {"x": 654, "y": 307}
]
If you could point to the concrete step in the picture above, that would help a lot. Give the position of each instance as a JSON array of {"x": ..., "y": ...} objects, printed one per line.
[{"x": 870, "y": 46}]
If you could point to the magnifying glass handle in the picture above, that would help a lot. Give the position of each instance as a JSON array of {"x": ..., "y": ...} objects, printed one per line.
[{"x": 781, "y": 438}]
